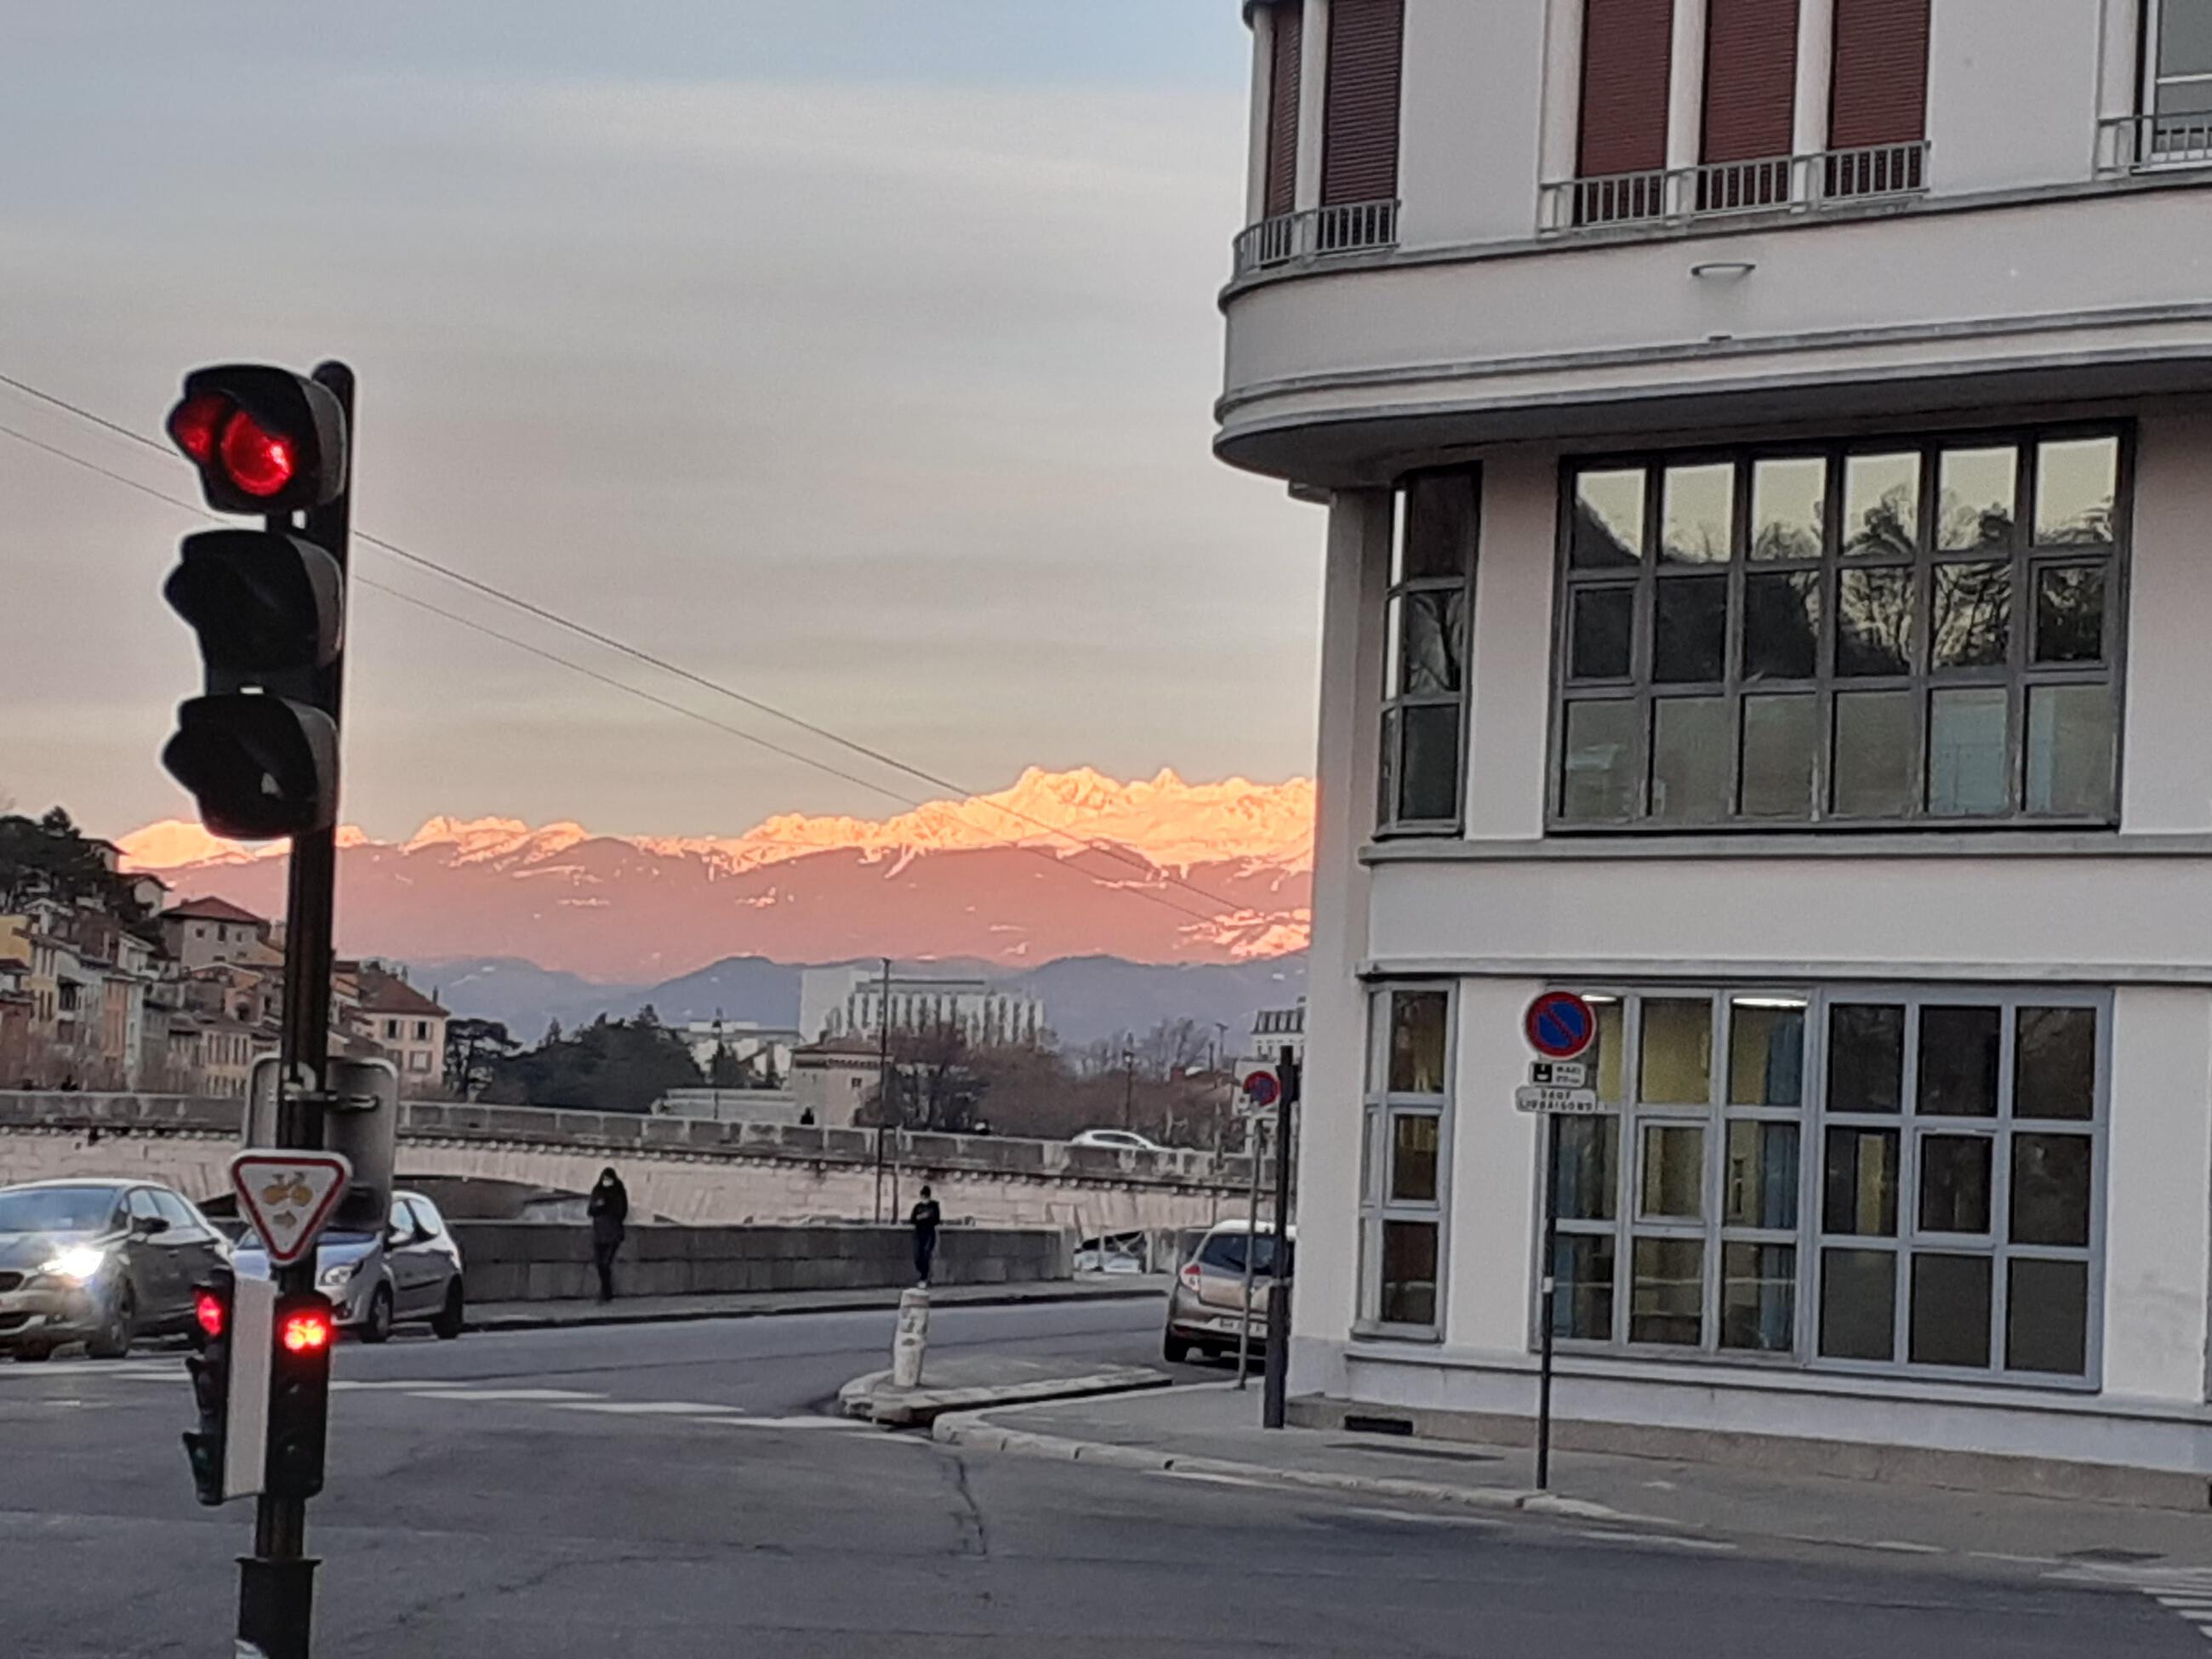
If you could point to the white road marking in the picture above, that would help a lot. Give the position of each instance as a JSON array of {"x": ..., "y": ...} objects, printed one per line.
[
  {"x": 648, "y": 1407},
  {"x": 500, "y": 1396},
  {"x": 1208, "y": 1477},
  {"x": 2185, "y": 1592}
]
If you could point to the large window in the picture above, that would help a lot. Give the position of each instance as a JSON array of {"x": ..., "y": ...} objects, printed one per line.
[
  {"x": 1883, "y": 633},
  {"x": 1407, "y": 1133},
  {"x": 1425, "y": 673},
  {"x": 1843, "y": 1178}
]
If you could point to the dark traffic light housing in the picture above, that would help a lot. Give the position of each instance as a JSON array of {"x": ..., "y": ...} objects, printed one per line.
[
  {"x": 206, "y": 1446},
  {"x": 265, "y": 439},
  {"x": 260, "y": 750},
  {"x": 306, "y": 1328}
]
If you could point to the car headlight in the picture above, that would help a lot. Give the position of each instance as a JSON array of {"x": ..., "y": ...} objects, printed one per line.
[
  {"x": 337, "y": 1274},
  {"x": 80, "y": 1264}
]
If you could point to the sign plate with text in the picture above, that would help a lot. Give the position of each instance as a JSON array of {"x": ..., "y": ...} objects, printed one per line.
[{"x": 1548, "y": 1098}]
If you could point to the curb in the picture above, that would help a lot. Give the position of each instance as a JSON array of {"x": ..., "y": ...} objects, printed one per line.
[
  {"x": 975, "y": 1430},
  {"x": 868, "y": 1397},
  {"x": 615, "y": 1315}
]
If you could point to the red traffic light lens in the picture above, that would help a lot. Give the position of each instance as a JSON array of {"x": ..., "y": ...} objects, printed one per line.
[
  {"x": 305, "y": 1333},
  {"x": 259, "y": 462},
  {"x": 208, "y": 1309},
  {"x": 195, "y": 423}
]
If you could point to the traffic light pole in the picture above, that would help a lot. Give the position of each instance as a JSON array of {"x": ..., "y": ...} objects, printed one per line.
[{"x": 275, "y": 1586}]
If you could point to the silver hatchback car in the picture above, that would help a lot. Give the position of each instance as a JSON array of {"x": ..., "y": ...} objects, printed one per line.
[
  {"x": 412, "y": 1272},
  {"x": 100, "y": 1262},
  {"x": 1205, "y": 1307}
]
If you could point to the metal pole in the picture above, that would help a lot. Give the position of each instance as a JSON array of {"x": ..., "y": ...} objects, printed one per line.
[
  {"x": 1251, "y": 1251},
  {"x": 275, "y": 1585},
  {"x": 882, "y": 1081},
  {"x": 1278, "y": 1289},
  {"x": 1550, "y": 1283},
  {"x": 1129, "y": 1084}
]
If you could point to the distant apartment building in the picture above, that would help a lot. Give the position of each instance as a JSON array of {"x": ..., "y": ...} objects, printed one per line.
[
  {"x": 1274, "y": 1029},
  {"x": 376, "y": 1003},
  {"x": 854, "y": 1002},
  {"x": 762, "y": 1052},
  {"x": 202, "y": 931}
]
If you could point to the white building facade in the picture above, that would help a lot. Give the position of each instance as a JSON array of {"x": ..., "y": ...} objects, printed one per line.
[{"x": 1767, "y": 450}]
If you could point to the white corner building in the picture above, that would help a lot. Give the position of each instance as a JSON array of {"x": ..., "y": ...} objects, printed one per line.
[{"x": 1767, "y": 450}]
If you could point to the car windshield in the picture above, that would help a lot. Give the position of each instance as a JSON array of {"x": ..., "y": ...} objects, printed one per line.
[{"x": 56, "y": 1210}]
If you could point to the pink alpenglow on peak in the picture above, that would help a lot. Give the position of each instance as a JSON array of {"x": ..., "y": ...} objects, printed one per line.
[{"x": 949, "y": 879}]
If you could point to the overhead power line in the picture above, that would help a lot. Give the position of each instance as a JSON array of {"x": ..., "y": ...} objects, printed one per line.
[
  {"x": 1105, "y": 848},
  {"x": 547, "y": 614}
]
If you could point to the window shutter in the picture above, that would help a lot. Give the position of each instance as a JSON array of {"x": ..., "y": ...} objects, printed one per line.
[
  {"x": 1283, "y": 108},
  {"x": 1627, "y": 58},
  {"x": 1879, "y": 92},
  {"x": 1751, "y": 79},
  {"x": 1360, "y": 127}
]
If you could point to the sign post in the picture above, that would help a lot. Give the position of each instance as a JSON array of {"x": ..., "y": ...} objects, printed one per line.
[
  {"x": 1259, "y": 1087},
  {"x": 1560, "y": 1027}
]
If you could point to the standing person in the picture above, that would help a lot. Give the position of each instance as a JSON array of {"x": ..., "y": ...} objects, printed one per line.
[
  {"x": 925, "y": 1216},
  {"x": 609, "y": 1210}
]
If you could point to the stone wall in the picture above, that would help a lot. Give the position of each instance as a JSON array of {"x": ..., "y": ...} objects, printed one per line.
[
  {"x": 530, "y": 1260},
  {"x": 691, "y": 1172}
]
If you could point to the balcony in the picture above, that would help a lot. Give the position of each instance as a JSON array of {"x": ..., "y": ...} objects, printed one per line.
[
  {"x": 1316, "y": 233},
  {"x": 2152, "y": 143},
  {"x": 1776, "y": 184}
]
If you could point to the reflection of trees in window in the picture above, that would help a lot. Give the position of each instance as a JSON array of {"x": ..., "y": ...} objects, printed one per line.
[
  {"x": 1890, "y": 684},
  {"x": 1873, "y": 621},
  {"x": 1973, "y": 626}
]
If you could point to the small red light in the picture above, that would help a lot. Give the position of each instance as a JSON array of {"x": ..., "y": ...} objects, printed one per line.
[
  {"x": 305, "y": 1333},
  {"x": 1192, "y": 1272},
  {"x": 194, "y": 422},
  {"x": 259, "y": 462},
  {"x": 208, "y": 1309}
]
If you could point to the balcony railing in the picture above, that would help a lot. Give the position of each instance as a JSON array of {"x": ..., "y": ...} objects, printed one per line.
[
  {"x": 1770, "y": 183},
  {"x": 2149, "y": 143},
  {"x": 1316, "y": 233}
]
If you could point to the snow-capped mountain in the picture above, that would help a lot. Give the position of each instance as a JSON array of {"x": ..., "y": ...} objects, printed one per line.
[{"x": 1060, "y": 864}]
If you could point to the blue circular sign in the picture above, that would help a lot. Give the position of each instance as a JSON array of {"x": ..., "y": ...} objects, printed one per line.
[{"x": 1560, "y": 1025}]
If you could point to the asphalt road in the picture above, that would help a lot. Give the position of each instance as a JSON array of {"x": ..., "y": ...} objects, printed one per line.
[{"x": 673, "y": 1491}]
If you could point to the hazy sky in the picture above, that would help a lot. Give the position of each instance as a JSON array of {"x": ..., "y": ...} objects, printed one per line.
[{"x": 857, "y": 353}]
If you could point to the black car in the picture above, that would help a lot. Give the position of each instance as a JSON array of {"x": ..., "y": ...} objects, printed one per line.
[{"x": 100, "y": 1262}]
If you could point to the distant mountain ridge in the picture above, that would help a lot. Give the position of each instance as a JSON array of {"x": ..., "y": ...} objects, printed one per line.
[
  {"x": 1087, "y": 998},
  {"x": 1059, "y": 864}
]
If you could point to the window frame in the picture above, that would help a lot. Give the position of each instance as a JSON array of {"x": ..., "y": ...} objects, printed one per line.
[
  {"x": 1390, "y": 744},
  {"x": 1381, "y": 1107},
  {"x": 2026, "y": 557},
  {"x": 1811, "y": 1238}
]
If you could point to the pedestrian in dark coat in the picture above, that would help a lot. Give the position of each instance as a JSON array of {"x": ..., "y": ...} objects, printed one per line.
[
  {"x": 609, "y": 1210},
  {"x": 925, "y": 1216}
]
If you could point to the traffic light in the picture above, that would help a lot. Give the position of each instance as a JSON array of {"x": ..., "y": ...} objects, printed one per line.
[
  {"x": 210, "y": 1372},
  {"x": 299, "y": 1394},
  {"x": 260, "y": 750}
]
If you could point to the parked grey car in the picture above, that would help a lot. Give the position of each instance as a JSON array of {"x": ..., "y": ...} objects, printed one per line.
[
  {"x": 412, "y": 1272},
  {"x": 100, "y": 1263},
  {"x": 1205, "y": 1307}
]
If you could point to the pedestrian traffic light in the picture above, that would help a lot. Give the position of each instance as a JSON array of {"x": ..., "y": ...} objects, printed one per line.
[
  {"x": 210, "y": 1373},
  {"x": 260, "y": 750},
  {"x": 299, "y": 1394}
]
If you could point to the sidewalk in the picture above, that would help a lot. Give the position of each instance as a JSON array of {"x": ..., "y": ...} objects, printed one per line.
[
  {"x": 1210, "y": 1428},
  {"x": 649, "y": 1309}
]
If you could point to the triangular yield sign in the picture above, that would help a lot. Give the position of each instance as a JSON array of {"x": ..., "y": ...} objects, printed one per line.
[{"x": 287, "y": 1196}]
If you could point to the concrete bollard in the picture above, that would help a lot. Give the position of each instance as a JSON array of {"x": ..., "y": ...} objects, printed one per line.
[{"x": 912, "y": 1342}]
